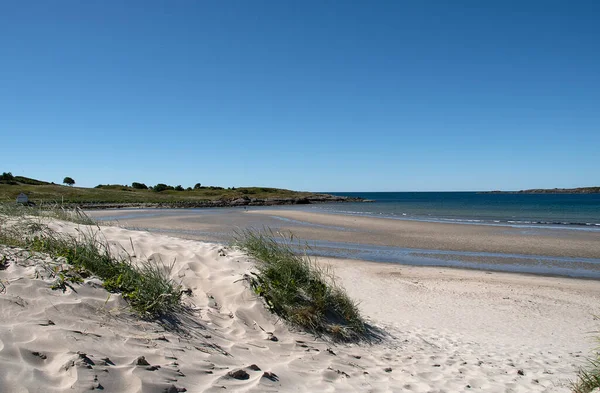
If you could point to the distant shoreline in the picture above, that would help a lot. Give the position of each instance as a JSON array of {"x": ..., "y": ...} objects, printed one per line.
[{"x": 579, "y": 190}]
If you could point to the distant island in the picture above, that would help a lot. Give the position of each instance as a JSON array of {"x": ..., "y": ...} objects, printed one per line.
[
  {"x": 580, "y": 190},
  {"x": 138, "y": 195}
]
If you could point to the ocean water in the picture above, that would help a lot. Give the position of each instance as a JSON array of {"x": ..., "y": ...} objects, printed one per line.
[{"x": 577, "y": 211}]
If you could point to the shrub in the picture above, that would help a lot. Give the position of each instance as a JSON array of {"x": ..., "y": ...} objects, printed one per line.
[
  {"x": 7, "y": 176},
  {"x": 197, "y": 186},
  {"x": 68, "y": 181},
  {"x": 299, "y": 290},
  {"x": 139, "y": 186},
  {"x": 162, "y": 187},
  {"x": 179, "y": 188}
]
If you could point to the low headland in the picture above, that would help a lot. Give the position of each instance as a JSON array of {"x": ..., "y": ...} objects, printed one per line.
[
  {"x": 138, "y": 195},
  {"x": 579, "y": 190}
]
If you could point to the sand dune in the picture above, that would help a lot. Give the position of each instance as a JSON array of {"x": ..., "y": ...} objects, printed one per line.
[{"x": 446, "y": 330}]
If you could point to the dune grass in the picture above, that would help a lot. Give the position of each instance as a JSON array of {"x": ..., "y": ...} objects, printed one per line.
[
  {"x": 298, "y": 289},
  {"x": 588, "y": 378},
  {"x": 145, "y": 285},
  {"x": 53, "y": 210}
]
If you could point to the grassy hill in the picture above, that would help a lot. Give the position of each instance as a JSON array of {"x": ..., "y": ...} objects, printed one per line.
[{"x": 43, "y": 192}]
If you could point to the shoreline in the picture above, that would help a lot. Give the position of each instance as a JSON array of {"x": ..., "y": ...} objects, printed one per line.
[
  {"x": 448, "y": 236},
  {"x": 540, "y": 251}
]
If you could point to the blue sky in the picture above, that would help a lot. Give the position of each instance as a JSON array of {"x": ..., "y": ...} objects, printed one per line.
[{"x": 323, "y": 95}]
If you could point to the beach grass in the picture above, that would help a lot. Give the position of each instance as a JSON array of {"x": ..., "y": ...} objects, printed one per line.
[
  {"x": 49, "y": 210},
  {"x": 588, "y": 377},
  {"x": 298, "y": 289},
  {"x": 146, "y": 285}
]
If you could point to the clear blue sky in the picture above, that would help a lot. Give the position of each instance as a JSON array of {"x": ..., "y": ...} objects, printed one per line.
[{"x": 323, "y": 95}]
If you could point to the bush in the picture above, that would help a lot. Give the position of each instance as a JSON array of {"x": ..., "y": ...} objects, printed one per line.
[
  {"x": 139, "y": 186},
  {"x": 299, "y": 290},
  {"x": 197, "y": 186},
  {"x": 7, "y": 176},
  {"x": 179, "y": 188},
  {"x": 162, "y": 187}
]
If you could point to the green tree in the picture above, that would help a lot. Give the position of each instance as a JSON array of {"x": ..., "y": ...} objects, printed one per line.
[
  {"x": 139, "y": 186},
  {"x": 7, "y": 176},
  {"x": 68, "y": 181},
  {"x": 179, "y": 188},
  {"x": 197, "y": 186}
]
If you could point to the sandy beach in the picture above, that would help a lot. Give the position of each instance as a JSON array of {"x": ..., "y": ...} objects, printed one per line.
[{"x": 445, "y": 330}]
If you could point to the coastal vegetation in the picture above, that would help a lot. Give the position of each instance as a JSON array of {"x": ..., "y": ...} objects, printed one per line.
[
  {"x": 41, "y": 192},
  {"x": 588, "y": 378},
  {"x": 145, "y": 285},
  {"x": 298, "y": 289}
]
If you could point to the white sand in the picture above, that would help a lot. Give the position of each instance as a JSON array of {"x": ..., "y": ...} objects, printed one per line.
[{"x": 449, "y": 330}]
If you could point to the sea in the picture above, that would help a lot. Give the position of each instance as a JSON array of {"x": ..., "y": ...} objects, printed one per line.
[{"x": 575, "y": 211}]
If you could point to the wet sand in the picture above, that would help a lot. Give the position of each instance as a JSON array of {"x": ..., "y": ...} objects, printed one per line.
[
  {"x": 539, "y": 250},
  {"x": 443, "y": 236}
]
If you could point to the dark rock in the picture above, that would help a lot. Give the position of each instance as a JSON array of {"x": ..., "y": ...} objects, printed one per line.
[
  {"x": 331, "y": 351},
  {"x": 239, "y": 374},
  {"x": 387, "y": 369},
  {"x": 521, "y": 372},
  {"x": 141, "y": 361},
  {"x": 253, "y": 367},
  {"x": 39, "y": 354},
  {"x": 152, "y": 368},
  {"x": 174, "y": 389},
  {"x": 271, "y": 376}
]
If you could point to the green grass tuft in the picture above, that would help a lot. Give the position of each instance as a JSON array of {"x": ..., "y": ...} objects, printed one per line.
[
  {"x": 588, "y": 378},
  {"x": 145, "y": 285},
  {"x": 299, "y": 290}
]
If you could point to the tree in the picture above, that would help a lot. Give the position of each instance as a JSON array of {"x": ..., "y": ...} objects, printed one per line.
[
  {"x": 179, "y": 188},
  {"x": 162, "y": 187},
  {"x": 68, "y": 181},
  {"x": 7, "y": 176},
  {"x": 139, "y": 186},
  {"x": 197, "y": 186}
]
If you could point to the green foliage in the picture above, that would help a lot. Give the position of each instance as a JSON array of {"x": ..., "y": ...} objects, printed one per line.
[
  {"x": 299, "y": 290},
  {"x": 588, "y": 378},
  {"x": 179, "y": 188},
  {"x": 30, "y": 181},
  {"x": 56, "y": 211},
  {"x": 197, "y": 186},
  {"x": 68, "y": 181},
  {"x": 7, "y": 176},
  {"x": 139, "y": 186},
  {"x": 145, "y": 285},
  {"x": 162, "y": 187},
  {"x": 107, "y": 193}
]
